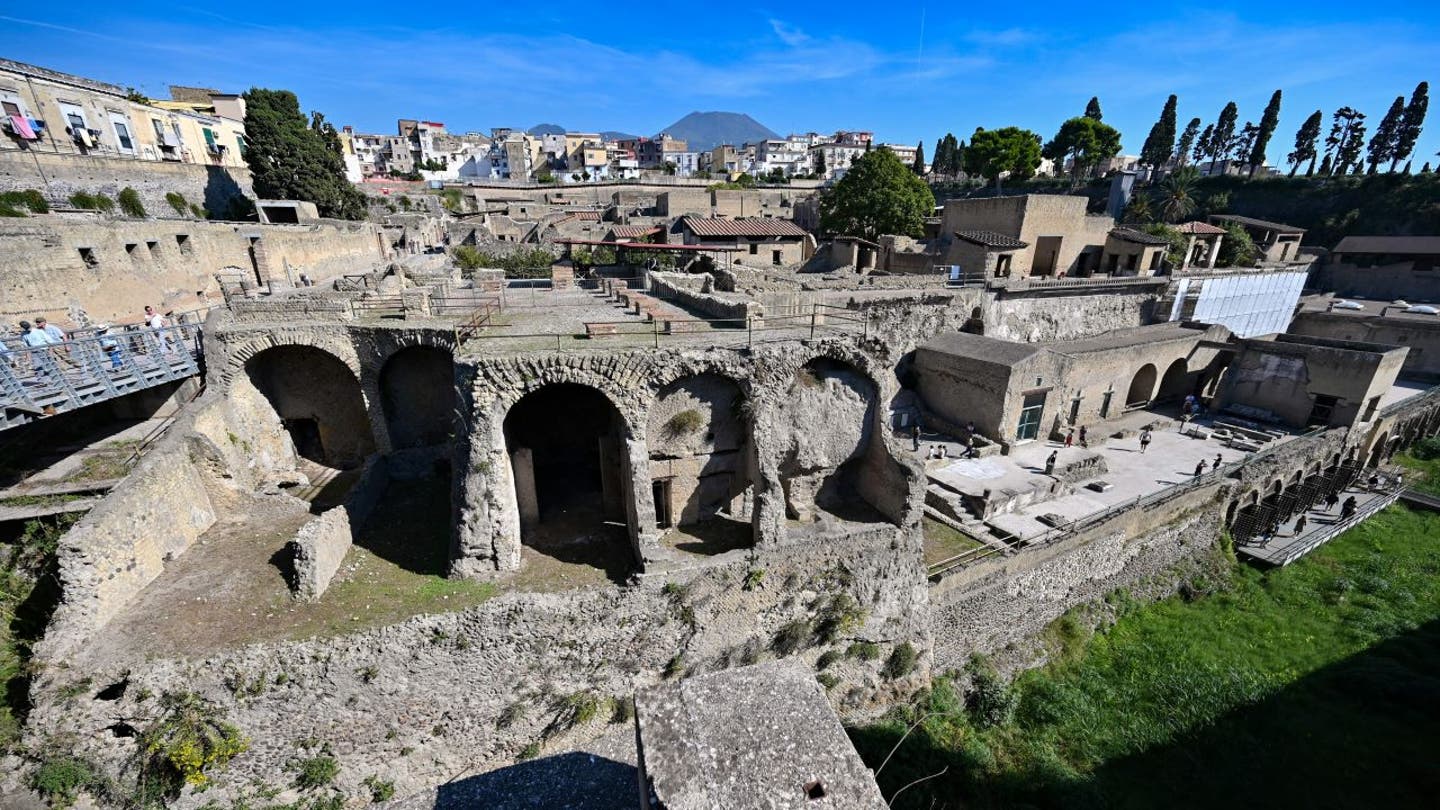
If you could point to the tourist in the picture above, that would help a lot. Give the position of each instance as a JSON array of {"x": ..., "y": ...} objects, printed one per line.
[
  {"x": 1083, "y": 441},
  {"x": 109, "y": 345},
  {"x": 55, "y": 333},
  {"x": 1330, "y": 501},
  {"x": 944, "y": 451},
  {"x": 1200, "y": 468},
  {"x": 153, "y": 319},
  {"x": 1070, "y": 437},
  {"x": 1219, "y": 459},
  {"x": 1144, "y": 439},
  {"x": 38, "y": 342},
  {"x": 1374, "y": 481},
  {"x": 1050, "y": 462},
  {"x": 1299, "y": 526},
  {"x": 1348, "y": 508},
  {"x": 970, "y": 444},
  {"x": 915, "y": 437},
  {"x": 1399, "y": 481}
]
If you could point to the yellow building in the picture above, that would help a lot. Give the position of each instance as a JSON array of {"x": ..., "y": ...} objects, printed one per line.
[{"x": 49, "y": 111}]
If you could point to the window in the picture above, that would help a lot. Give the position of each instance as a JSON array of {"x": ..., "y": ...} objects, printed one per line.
[
  {"x": 1370, "y": 408},
  {"x": 131, "y": 251},
  {"x": 87, "y": 255},
  {"x": 1322, "y": 411},
  {"x": 154, "y": 248},
  {"x": 1105, "y": 404},
  {"x": 122, "y": 134},
  {"x": 754, "y": 249},
  {"x": 1030, "y": 412},
  {"x": 1156, "y": 259},
  {"x": 10, "y": 108},
  {"x": 182, "y": 241},
  {"x": 1075, "y": 410},
  {"x": 775, "y": 257}
]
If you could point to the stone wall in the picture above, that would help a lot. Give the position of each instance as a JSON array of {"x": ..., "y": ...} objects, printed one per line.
[
  {"x": 112, "y": 268},
  {"x": 1067, "y": 315},
  {"x": 59, "y": 176},
  {"x": 1421, "y": 336},
  {"x": 679, "y": 288},
  {"x": 320, "y": 546}
]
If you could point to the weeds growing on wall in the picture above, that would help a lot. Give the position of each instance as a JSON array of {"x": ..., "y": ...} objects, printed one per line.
[
  {"x": 29, "y": 592},
  {"x": 130, "y": 204},
  {"x": 1291, "y": 687}
]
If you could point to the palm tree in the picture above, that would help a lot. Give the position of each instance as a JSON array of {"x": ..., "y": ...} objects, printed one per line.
[{"x": 1178, "y": 193}]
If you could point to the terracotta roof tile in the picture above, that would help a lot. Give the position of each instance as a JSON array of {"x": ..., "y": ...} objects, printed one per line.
[
  {"x": 992, "y": 239},
  {"x": 743, "y": 227}
]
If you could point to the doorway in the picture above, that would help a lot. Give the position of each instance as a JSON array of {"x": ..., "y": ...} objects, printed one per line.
[
  {"x": 1047, "y": 255},
  {"x": 1031, "y": 411}
]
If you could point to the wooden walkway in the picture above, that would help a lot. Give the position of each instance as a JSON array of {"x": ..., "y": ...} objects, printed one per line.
[
  {"x": 1321, "y": 526},
  {"x": 40, "y": 382}
]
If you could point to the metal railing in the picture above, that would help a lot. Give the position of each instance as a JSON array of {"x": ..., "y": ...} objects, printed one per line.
[{"x": 44, "y": 380}]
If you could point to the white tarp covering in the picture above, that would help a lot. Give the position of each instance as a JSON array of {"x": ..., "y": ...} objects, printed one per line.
[{"x": 1250, "y": 305}]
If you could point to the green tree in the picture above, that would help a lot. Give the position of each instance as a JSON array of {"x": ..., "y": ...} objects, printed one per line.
[
  {"x": 1237, "y": 249},
  {"x": 1241, "y": 144},
  {"x": 1224, "y": 132},
  {"x": 1187, "y": 141},
  {"x": 947, "y": 156},
  {"x": 1387, "y": 135},
  {"x": 1156, "y": 151},
  {"x": 1202, "y": 145},
  {"x": 1414, "y": 121},
  {"x": 1347, "y": 137},
  {"x": 919, "y": 165},
  {"x": 1179, "y": 242},
  {"x": 1092, "y": 110},
  {"x": 954, "y": 155},
  {"x": 290, "y": 160},
  {"x": 878, "y": 195},
  {"x": 993, "y": 152},
  {"x": 1177, "y": 193},
  {"x": 1137, "y": 211},
  {"x": 1087, "y": 143},
  {"x": 1305, "y": 141},
  {"x": 1268, "y": 122},
  {"x": 819, "y": 164}
]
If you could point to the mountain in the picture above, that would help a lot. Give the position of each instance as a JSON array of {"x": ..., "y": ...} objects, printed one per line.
[
  {"x": 613, "y": 135},
  {"x": 547, "y": 129},
  {"x": 706, "y": 130}
]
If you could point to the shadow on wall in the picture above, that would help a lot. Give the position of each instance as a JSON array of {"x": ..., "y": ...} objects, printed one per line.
[
  {"x": 575, "y": 781},
  {"x": 224, "y": 198}
]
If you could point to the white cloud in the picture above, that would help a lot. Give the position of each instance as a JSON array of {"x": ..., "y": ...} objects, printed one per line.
[{"x": 790, "y": 35}]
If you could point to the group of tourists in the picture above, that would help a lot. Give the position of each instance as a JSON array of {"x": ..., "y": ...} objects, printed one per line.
[{"x": 41, "y": 334}]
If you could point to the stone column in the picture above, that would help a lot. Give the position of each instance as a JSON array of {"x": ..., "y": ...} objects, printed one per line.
[
  {"x": 1214, "y": 251},
  {"x": 527, "y": 502}
]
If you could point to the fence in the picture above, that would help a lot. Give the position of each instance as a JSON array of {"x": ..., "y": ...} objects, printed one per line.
[{"x": 44, "y": 380}]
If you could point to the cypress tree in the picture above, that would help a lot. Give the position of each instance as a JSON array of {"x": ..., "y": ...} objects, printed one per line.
[
  {"x": 292, "y": 159},
  {"x": 1387, "y": 135},
  {"x": 1268, "y": 122},
  {"x": 1187, "y": 140},
  {"x": 1203, "y": 145},
  {"x": 1412, "y": 123},
  {"x": 1156, "y": 151},
  {"x": 919, "y": 165},
  {"x": 1305, "y": 139},
  {"x": 1224, "y": 133},
  {"x": 1092, "y": 110}
]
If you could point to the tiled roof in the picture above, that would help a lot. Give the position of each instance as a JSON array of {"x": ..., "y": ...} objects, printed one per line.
[
  {"x": 992, "y": 239},
  {"x": 1138, "y": 237},
  {"x": 589, "y": 216},
  {"x": 743, "y": 227},
  {"x": 633, "y": 231},
  {"x": 1202, "y": 228}
]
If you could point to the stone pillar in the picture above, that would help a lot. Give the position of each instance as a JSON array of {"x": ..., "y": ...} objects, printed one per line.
[
  {"x": 1214, "y": 251},
  {"x": 487, "y": 517},
  {"x": 640, "y": 503},
  {"x": 562, "y": 277},
  {"x": 417, "y": 302},
  {"x": 1189, "y": 251},
  {"x": 527, "y": 502}
]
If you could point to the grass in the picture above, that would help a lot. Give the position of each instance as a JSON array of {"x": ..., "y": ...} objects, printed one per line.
[
  {"x": 943, "y": 542},
  {"x": 1311, "y": 685},
  {"x": 1424, "y": 466}
]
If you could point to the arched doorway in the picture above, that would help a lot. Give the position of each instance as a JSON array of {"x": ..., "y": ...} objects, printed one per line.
[
  {"x": 417, "y": 392},
  {"x": 566, "y": 449},
  {"x": 1142, "y": 387},
  {"x": 1378, "y": 450},
  {"x": 1176, "y": 382},
  {"x": 820, "y": 470},
  {"x": 701, "y": 461},
  {"x": 318, "y": 401}
]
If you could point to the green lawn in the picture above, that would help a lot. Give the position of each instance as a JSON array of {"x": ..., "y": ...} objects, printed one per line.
[
  {"x": 1423, "y": 462},
  {"x": 1316, "y": 685}
]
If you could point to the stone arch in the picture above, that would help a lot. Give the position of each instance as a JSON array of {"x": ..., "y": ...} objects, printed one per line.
[
  {"x": 566, "y": 445},
  {"x": 702, "y": 462},
  {"x": 820, "y": 471},
  {"x": 1142, "y": 386},
  {"x": 1378, "y": 450},
  {"x": 416, "y": 392},
  {"x": 316, "y": 397},
  {"x": 1175, "y": 383},
  {"x": 337, "y": 346},
  {"x": 1230, "y": 513}
]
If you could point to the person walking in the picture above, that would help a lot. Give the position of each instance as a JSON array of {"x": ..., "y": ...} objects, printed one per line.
[
  {"x": 970, "y": 444},
  {"x": 1083, "y": 441},
  {"x": 1330, "y": 501},
  {"x": 915, "y": 437},
  {"x": 1070, "y": 437},
  {"x": 1299, "y": 526},
  {"x": 1200, "y": 468},
  {"x": 1219, "y": 459},
  {"x": 1050, "y": 462},
  {"x": 1144, "y": 439},
  {"x": 39, "y": 342},
  {"x": 1347, "y": 509}
]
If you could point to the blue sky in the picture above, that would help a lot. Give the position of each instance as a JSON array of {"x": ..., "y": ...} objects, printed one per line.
[{"x": 794, "y": 67}]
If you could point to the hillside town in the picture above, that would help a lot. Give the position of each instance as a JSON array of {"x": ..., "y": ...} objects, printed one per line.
[{"x": 710, "y": 468}]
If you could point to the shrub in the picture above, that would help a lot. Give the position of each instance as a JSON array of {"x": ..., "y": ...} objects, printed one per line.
[
  {"x": 468, "y": 258},
  {"x": 1427, "y": 449},
  {"x": 104, "y": 203},
  {"x": 177, "y": 202},
  {"x": 29, "y": 199},
  {"x": 198, "y": 212},
  {"x": 840, "y": 615},
  {"x": 827, "y": 679},
  {"x": 827, "y": 658},
  {"x": 864, "y": 650},
  {"x": 529, "y": 752},
  {"x": 792, "y": 637},
  {"x": 573, "y": 710},
  {"x": 675, "y": 665},
  {"x": 381, "y": 790},
  {"x": 510, "y": 715},
  {"x": 61, "y": 780},
  {"x": 684, "y": 423},
  {"x": 622, "y": 709},
  {"x": 451, "y": 199},
  {"x": 315, "y": 772},
  {"x": 901, "y": 662},
  {"x": 130, "y": 204},
  {"x": 753, "y": 578},
  {"x": 189, "y": 739},
  {"x": 83, "y": 199},
  {"x": 991, "y": 701}
]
